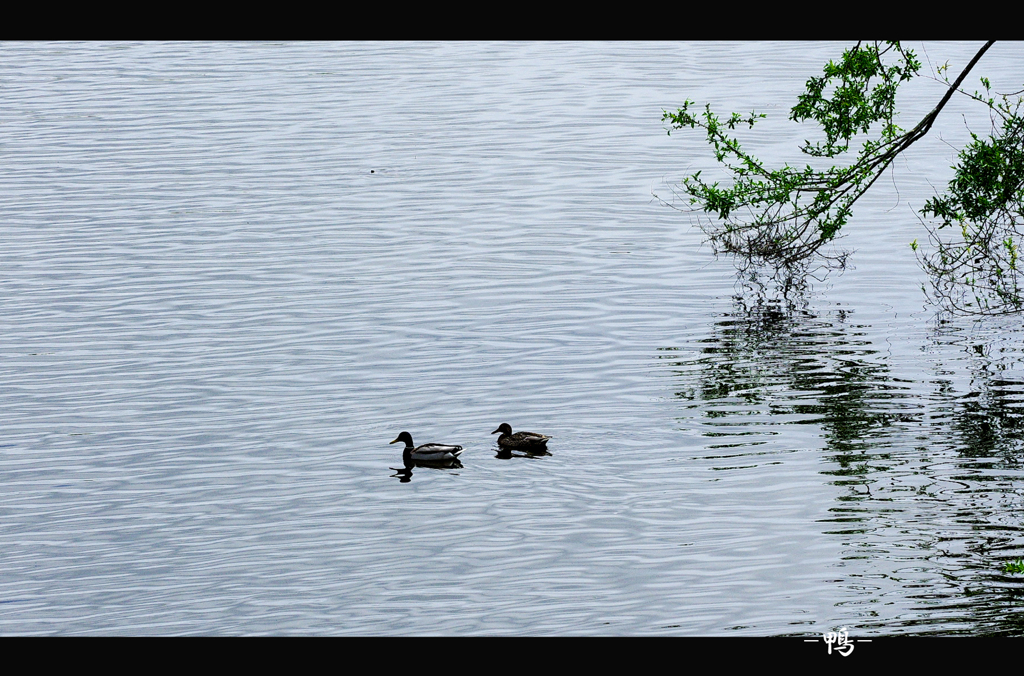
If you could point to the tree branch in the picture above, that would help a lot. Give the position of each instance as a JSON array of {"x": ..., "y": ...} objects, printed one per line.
[{"x": 930, "y": 117}]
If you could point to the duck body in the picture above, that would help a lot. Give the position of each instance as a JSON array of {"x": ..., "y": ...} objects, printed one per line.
[
  {"x": 430, "y": 453},
  {"x": 531, "y": 442}
]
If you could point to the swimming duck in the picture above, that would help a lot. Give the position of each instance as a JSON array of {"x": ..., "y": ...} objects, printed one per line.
[
  {"x": 438, "y": 453},
  {"x": 531, "y": 442}
]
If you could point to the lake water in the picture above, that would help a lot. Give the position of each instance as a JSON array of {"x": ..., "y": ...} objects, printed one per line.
[{"x": 232, "y": 273}]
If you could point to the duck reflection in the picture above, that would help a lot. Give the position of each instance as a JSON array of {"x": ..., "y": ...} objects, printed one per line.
[
  {"x": 404, "y": 474},
  {"x": 505, "y": 453}
]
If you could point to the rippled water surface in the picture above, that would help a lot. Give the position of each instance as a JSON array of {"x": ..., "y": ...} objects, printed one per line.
[{"x": 232, "y": 273}]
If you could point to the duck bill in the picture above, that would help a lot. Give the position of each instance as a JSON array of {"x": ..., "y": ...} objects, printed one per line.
[
  {"x": 394, "y": 442},
  {"x": 496, "y": 431}
]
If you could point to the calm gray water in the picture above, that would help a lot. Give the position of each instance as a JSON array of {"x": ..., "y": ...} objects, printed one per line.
[{"x": 232, "y": 273}]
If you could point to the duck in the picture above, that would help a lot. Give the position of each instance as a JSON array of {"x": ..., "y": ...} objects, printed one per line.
[
  {"x": 436, "y": 453},
  {"x": 531, "y": 442}
]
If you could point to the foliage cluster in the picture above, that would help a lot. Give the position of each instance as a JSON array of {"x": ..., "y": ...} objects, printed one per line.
[
  {"x": 977, "y": 269},
  {"x": 783, "y": 218}
]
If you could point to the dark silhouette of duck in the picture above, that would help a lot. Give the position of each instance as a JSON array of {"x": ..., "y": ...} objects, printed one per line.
[
  {"x": 531, "y": 442},
  {"x": 427, "y": 453}
]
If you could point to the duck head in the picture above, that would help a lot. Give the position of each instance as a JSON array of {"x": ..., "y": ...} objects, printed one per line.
[
  {"x": 404, "y": 436},
  {"x": 504, "y": 428}
]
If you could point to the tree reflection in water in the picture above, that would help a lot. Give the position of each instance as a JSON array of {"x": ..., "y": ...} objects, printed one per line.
[{"x": 931, "y": 476}]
